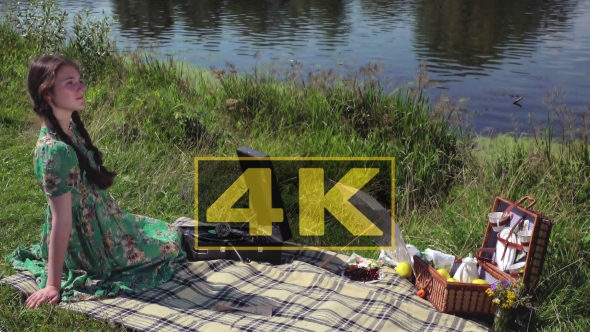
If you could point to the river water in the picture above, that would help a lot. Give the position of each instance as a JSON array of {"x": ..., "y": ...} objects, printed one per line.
[{"x": 485, "y": 53}]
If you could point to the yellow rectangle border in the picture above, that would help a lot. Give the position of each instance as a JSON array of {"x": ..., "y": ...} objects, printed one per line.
[{"x": 297, "y": 247}]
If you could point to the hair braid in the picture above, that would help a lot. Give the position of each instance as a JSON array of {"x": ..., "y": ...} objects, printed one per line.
[
  {"x": 103, "y": 181},
  {"x": 110, "y": 175}
]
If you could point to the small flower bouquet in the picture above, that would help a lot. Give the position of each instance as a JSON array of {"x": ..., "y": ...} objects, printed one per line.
[
  {"x": 360, "y": 261},
  {"x": 512, "y": 302}
]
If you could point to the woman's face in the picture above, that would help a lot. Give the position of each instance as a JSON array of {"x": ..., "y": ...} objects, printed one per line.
[{"x": 68, "y": 90}]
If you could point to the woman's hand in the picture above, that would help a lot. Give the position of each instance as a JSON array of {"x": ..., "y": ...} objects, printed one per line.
[{"x": 48, "y": 294}]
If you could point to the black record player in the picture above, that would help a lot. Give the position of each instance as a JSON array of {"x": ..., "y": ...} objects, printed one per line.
[{"x": 219, "y": 240}]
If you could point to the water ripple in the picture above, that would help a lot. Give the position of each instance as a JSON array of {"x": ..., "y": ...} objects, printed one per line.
[{"x": 471, "y": 47}]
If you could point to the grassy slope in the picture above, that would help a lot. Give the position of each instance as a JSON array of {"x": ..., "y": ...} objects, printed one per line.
[{"x": 142, "y": 114}]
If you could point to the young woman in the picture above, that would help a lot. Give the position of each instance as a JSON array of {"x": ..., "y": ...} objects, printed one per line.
[{"x": 89, "y": 247}]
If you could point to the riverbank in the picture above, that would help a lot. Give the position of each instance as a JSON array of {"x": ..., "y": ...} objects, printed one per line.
[{"x": 152, "y": 118}]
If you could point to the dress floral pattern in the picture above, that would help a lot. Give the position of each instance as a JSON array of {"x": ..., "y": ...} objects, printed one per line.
[{"x": 110, "y": 250}]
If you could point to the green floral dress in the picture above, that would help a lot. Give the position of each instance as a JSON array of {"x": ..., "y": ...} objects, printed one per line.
[{"x": 110, "y": 251}]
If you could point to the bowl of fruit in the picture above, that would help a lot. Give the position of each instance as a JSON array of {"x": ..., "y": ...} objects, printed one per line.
[{"x": 362, "y": 270}]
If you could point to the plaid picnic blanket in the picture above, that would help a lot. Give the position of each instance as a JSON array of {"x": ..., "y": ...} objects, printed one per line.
[{"x": 303, "y": 296}]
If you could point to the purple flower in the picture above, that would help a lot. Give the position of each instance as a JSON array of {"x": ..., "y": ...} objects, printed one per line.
[
  {"x": 531, "y": 308},
  {"x": 186, "y": 185},
  {"x": 493, "y": 287},
  {"x": 506, "y": 283}
]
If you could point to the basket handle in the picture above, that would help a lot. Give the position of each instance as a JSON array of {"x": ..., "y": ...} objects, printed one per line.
[
  {"x": 513, "y": 205},
  {"x": 533, "y": 201},
  {"x": 426, "y": 285}
]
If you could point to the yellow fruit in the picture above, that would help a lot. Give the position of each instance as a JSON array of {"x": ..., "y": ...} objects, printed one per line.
[
  {"x": 444, "y": 273},
  {"x": 404, "y": 269},
  {"x": 479, "y": 281},
  {"x": 452, "y": 280}
]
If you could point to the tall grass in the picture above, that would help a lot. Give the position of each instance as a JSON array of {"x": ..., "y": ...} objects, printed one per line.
[
  {"x": 323, "y": 114},
  {"x": 151, "y": 118},
  {"x": 348, "y": 116}
]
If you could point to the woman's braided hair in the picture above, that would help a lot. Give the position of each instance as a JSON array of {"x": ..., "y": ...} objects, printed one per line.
[{"x": 40, "y": 80}]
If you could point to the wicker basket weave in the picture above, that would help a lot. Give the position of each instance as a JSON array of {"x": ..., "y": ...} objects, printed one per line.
[
  {"x": 470, "y": 299},
  {"x": 454, "y": 297}
]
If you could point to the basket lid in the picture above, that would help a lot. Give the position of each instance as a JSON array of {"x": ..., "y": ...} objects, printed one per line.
[{"x": 505, "y": 247}]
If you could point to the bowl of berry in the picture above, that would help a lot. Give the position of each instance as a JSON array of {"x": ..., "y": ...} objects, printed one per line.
[{"x": 362, "y": 270}]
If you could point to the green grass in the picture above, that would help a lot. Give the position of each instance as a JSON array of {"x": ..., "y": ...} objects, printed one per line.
[{"x": 151, "y": 118}]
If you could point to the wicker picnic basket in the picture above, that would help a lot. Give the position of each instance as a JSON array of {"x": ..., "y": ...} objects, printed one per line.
[{"x": 467, "y": 299}]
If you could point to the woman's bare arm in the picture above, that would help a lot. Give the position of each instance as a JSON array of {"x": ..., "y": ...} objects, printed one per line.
[{"x": 61, "y": 226}]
